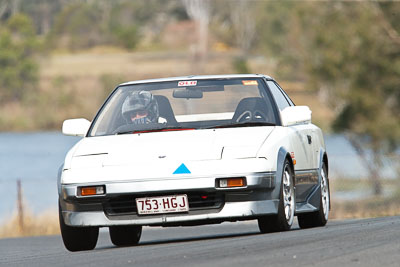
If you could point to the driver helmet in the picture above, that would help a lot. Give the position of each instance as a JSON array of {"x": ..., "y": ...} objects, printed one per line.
[{"x": 140, "y": 107}]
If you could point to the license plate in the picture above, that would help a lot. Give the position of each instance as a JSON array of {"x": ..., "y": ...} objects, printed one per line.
[{"x": 165, "y": 204}]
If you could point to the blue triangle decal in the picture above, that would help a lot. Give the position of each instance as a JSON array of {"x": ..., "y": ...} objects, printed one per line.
[{"x": 182, "y": 169}]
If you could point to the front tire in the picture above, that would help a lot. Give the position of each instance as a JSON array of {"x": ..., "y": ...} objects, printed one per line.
[
  {"x": 123, "y": 236},
  {"x": 320, "y": 217},
  {"x": 284, "y": 219},
  {"x": 78, "y": 238}
]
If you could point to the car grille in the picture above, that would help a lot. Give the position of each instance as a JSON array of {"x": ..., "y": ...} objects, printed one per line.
[{"x": 126, "y": 205}]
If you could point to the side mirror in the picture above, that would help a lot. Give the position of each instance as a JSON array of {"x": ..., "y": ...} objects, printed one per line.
[
  {"x": 296, "y": 115},
  {"x": 75, "y": 127}
]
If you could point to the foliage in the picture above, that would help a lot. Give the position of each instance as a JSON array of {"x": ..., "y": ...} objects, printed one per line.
[
  {"x": 123, "y": 22},
  {"x": 358, "y": 64},
  {"x": 77, "y": 26},
  {"x": 42, "y": 13},
  {"x": 280, "y": 37},
  {"x": 240, "y": 65},
  {"x": 18, "y": 68},
  {"x": 127, "y": 36},
  {"x": 85, "y": 24}
]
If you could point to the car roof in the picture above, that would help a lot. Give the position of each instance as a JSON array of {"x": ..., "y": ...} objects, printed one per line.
[{"x": 198, "y": 77}]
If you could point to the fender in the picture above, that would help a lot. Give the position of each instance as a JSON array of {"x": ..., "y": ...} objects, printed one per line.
[
  {"x": 59, "y": 178},
  {"x": 282, "y": 154},
  {"x": 322, "y": 154}
]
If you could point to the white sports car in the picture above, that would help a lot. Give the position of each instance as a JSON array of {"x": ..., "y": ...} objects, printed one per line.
[{"x": 188, "y": 151}]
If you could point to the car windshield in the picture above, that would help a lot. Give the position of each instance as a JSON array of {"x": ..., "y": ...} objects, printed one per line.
[{"x": 186, "y": 104}]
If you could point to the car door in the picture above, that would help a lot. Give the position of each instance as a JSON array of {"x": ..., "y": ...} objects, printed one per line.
[
  {"x": 301, "y": 139},
  {"x": 300, "y": 134}
]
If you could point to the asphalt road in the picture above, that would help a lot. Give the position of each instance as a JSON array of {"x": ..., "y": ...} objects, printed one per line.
[{"x": 368, "y": 242}]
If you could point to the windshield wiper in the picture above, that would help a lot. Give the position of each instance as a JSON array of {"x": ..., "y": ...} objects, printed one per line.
[
  {"x": 160, "y": 129},
  {"x": 126, "y": 132},
  {"x": 243, "y": 124},
  {"x": 163, "y": 129}
]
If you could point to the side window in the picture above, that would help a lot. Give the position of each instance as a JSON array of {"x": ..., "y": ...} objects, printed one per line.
[
  {"x": 280, "y": 99},
  {"x": 287, "y": 97}
]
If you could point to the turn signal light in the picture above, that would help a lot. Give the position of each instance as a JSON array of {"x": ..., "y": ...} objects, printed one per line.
[
  {"x": 92, "y": 190},
  {"x": 232, "y": 182}
]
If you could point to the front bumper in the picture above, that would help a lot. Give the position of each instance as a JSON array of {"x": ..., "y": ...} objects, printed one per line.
[{"x": 258, "y": 197}]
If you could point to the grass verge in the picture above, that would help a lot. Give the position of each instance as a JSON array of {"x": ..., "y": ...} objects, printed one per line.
[
  {"x": 368, "y": 208},
  {"x": 32, "y": 225}
]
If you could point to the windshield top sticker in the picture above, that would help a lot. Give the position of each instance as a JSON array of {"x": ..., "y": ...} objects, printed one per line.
[
  {"x": 247, "y": 82},
  {"x": 187, "y": 83}
]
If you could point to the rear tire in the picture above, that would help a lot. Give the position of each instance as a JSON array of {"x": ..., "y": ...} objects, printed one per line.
[
  {"x": 320, "y": 217},
  {"x": 78, "y": 238},
  {"x": 284, "y": 219},
  {"x": 127, "y": 235}
]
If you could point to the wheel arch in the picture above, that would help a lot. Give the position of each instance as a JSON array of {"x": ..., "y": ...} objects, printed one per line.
[
  {"x": 289, "y": 158},
  {"x": 324, "y": 160},
  {"x": 283, "y": 154},
  {"x": 59, "y": 173}
]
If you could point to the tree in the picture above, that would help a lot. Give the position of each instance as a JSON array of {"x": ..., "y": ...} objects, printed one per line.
[
  {"x": 42, "y": 13},
  {"x": 245, "y": 29},
  {"x": 199, "y": 11},
  {"x": 357, "y": 61},
  {"x": 9, "y": 8},
  {"x": 78, "y": 26},
  {"x": 18, "y": 68},
  {"x": 243, "y": 24},
  {"x": 281, "y": 37}
]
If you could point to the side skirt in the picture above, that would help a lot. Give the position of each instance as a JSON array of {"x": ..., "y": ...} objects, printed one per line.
[
  {"x": 311, "y": 202},
  {"x": 307, "y": 191}
]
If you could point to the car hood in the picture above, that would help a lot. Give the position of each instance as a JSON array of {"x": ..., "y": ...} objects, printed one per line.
[{"x": 188, "y": 145}]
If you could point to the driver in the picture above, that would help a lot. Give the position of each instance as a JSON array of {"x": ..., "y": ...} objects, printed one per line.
[{"x": 140, "y": 107}]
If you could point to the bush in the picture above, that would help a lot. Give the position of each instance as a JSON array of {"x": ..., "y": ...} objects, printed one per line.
[
  {"x": 240, "y": 65},
  {"x": 19, "y": 70},
  {"x": 127, "y": 37}
]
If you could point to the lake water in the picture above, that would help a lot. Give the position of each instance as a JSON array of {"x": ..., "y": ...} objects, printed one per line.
[{"x": 35, "y": 158}]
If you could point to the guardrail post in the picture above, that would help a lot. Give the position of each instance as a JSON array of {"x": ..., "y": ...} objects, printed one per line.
[{"x": 20, "y": 207}]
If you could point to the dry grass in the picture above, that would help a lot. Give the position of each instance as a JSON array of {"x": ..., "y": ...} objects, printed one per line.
[
  {"x": 136, "y": 65},
  {"x": 43, "y": 224},
  {"x": 370, "y": 208}
]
